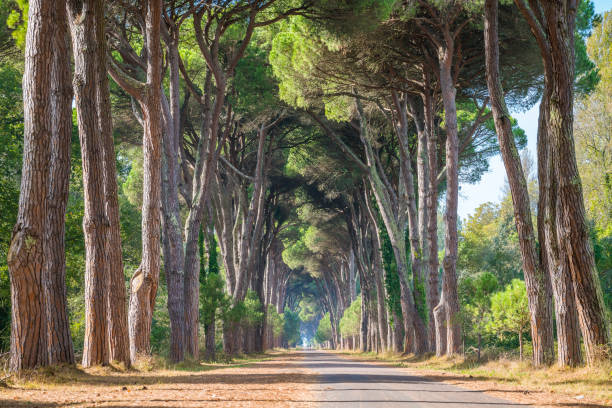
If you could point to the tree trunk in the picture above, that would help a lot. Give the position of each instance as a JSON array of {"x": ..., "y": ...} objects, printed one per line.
[
  {"x": 28, "y": 323},
  {"x": 440, "y": 324},
  {"x": 59, "y": 343},
  {"x": 118, "y": 339},
  {"x": 451, "y": 301},
  {"x": 423, "y": 185},
  {"x": 209, "y": 332},
  {"x": 143, "y": 286},
  {"x": 174, "y": 257},
  {"x": 206, "y": 164},
  {"x": 572, "y": 229},
  {"x": 433, "y": 296},
  {"x": 95, "y": 223},
  {"x": 568, "y": 332},
  {"x": 537, "y": 280},
  {"x": 363, "y": 328}
]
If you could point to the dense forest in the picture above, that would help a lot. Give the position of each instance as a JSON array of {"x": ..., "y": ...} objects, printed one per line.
[{"x": 201, "y": 179}]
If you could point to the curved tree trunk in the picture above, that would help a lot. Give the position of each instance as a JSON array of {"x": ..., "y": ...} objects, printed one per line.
[{"x": 537, "y": 281}]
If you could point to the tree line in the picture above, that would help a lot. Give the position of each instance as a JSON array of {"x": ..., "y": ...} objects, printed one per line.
[{"x": 292, "y": 161}]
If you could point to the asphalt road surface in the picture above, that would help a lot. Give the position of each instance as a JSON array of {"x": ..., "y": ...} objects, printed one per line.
[{"x": 347, "y": 383}]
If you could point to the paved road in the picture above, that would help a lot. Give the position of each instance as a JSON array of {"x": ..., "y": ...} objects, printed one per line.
[{"x": 346, "y": 383}]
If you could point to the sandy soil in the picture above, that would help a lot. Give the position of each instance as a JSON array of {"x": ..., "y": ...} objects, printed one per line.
[{"x": 275, "y": 383}]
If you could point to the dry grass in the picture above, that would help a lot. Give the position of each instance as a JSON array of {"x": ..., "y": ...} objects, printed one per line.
[
  {"x": 514, "y": 380},
  {"x": 274, "y": 380}
]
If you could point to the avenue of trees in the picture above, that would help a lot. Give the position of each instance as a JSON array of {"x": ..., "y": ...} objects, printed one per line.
[{"x": 195, "y": 178}]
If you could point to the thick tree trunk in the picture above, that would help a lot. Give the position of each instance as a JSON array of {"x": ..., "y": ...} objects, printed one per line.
[
  {"x": 95, "y": 223},
  {"x": 143, "y": 286},
  {"x": 537, "y": 281},
  {"x": 59, "y": 343},
  {"x": 557, "y": 264},
  {"x": 572, "y": 229},
  {"x": 118, "y": 340},
  {"x": 451, "y": 301},
  {"x": 26, "y": 253}
]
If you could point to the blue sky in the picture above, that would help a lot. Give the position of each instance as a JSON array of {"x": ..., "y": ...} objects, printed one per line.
[{"x": 491, "y": 184}]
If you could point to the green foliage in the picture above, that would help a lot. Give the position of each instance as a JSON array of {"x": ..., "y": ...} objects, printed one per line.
[
  {"x": 392, "y": 283},
  {"x": 587, "y": 75},
  {"x": 308, "y": 309},
  {"x": 18, "y": 21},
  {"x": 488, "y": 242},
  {"x": 291, "y": 327},
  {"x": 212, "y": 297},
  {"x": 11, "y": 135},
  {"x": 132, "y": 187},
  {"x": 253, "y": 309},
  {"x": 275, "y": 321},
  {"x": 475, "y": 297},
  {"x": 324, "y": 331},
  {"x": 510, "y": 310},
  {"x": 351, "y": 319}
]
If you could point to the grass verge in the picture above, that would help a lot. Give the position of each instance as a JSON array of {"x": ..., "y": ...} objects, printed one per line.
[{"x": 512, "y": 379}]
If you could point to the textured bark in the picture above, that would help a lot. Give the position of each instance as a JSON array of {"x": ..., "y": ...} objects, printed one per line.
[
  {"x": 553, "y": 28},
  {"x": 433, "y": 296},
  {"x": 95, "y": 223},
  {"x": 143, "y": 286},
  {"x": 209, "y": 333},
  {"x": 537, "y": 281},
  {"x": 116, "y": 297},
  {"x": 174, "y": 257},
  {"x": 59, "y": 342},
  {"x": 423, "y": 216},
  {"x": 568, "y": 332},
  {"x": 572, "y": 229},
  {"x": 28, "y": 337},
  {"x": 449, "y": 281}
]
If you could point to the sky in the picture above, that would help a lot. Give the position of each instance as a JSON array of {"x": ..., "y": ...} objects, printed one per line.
[{"x": 492, "y": 182}]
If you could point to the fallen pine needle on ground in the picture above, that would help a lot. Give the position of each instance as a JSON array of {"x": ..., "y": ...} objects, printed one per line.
[{"x": 276, "y": 381}]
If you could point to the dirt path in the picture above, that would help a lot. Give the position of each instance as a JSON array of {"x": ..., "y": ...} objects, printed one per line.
[{"x": 279, "y": 382}]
